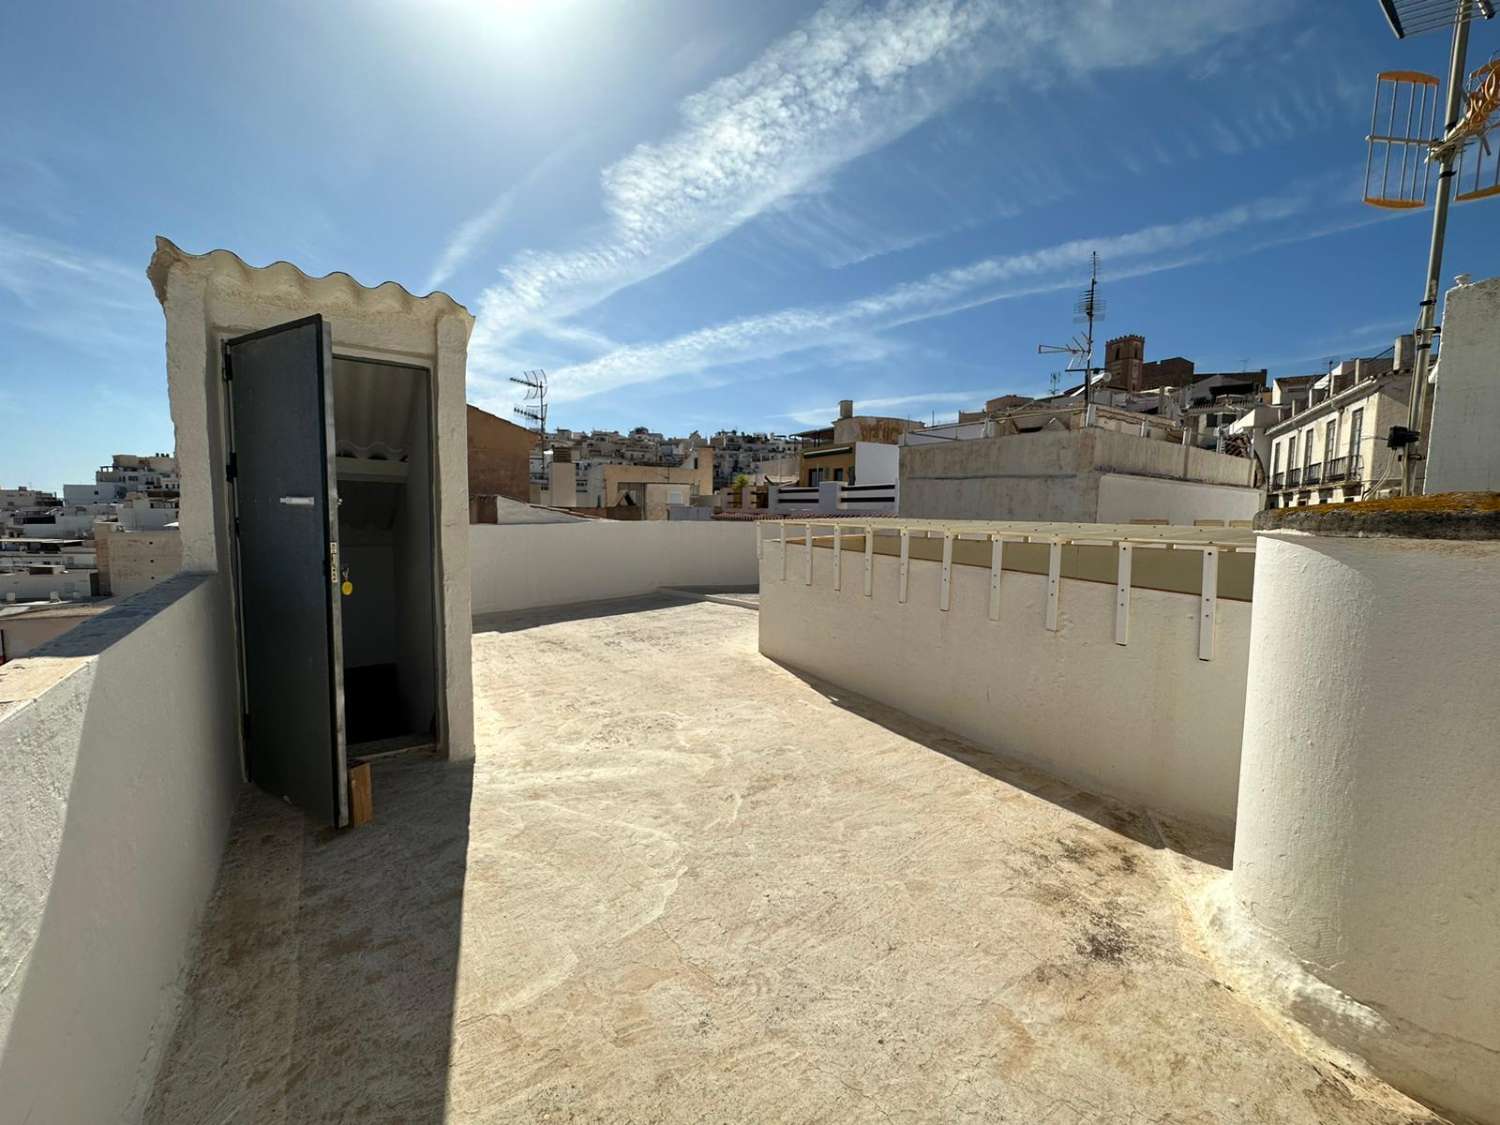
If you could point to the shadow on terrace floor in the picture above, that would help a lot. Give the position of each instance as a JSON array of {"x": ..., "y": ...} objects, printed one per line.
[
  {"x": 513, "y": 621},
  {"x": 1116, "y": 816},
  {"x": 324, "y": 984}
]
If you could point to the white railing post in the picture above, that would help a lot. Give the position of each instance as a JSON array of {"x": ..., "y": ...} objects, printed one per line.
[
  {"x": 1208, "y": 603},
  {"x": 997, "y": 564},
  {"x": 945, "y": 599},
  {"x": 837, "y": 544},
  {"x": 783, "y": 550},
  {"x": 807, "y": 543},
  {"x": 1122, "y": 595},
  {"x": 1054, "y": 581},
  {"x": 869, "y": 560},
  {"x": 905, "y": 564}
]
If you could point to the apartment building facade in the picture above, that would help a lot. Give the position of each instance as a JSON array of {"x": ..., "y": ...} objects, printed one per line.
[{"x": 1333, "y": 449}]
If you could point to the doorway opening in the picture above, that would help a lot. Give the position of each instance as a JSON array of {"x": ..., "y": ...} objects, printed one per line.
[{"x": 383, "y": 462}]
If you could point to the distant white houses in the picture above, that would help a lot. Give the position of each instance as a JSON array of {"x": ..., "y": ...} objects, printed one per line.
[{"x": 52, "y": 548}]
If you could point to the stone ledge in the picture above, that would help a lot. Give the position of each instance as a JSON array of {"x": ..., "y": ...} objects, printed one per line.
[{"x": 1448, "y": 515}]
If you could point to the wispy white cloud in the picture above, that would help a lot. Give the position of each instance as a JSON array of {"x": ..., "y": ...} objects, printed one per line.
[
  {"x": 847, "y": 81},
  {"x": 769, "y": 335},
  {"x": 88, "y": 302},
  {"x": 471, "y": 233},
  {"x": 474, "y": 232}
]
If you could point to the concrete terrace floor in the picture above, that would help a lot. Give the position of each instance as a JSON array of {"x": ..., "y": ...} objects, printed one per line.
[{"x": 681, "y": 883}]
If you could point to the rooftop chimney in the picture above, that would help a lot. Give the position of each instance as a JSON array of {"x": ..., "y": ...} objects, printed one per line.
[
  {"x": 1404, "y": 352},
  {"x": 846, "y": 408}
]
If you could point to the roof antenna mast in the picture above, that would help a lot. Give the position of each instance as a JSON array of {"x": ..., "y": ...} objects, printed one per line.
[
  {"x": 535, "y": 408},
  {"x": 1088, "y": 308},
  {"x": 1405, "y": 143}
]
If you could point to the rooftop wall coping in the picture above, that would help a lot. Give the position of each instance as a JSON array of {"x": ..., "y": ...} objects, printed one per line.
[{"x": 1447, "y": 515}]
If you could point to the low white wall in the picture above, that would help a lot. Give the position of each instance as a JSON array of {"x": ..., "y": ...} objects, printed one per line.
[
  {"x": 119, "y": 767},
  {"x": 1124, "y": 498},
  {"x": 1370, "y": 801},
  {"x": 1147, "y": 722},
  {"x": 523, "y": 566}
]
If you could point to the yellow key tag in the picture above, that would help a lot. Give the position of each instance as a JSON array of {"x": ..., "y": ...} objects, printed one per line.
[{"x": 347, "y": 587}]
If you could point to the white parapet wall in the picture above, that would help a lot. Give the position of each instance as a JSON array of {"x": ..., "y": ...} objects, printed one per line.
[
  {"x": 1150, "y": 721},
  {"x": 1464, "y": 455},
  {"x": 1366, "y": 880},
  {"x": 523, "y": 566},
  {"x": 119, "y": 766}
]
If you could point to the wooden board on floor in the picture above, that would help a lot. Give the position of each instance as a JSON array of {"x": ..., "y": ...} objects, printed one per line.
[{"x": 361, "y": 795}]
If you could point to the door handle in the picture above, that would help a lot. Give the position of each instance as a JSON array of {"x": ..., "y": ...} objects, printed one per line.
[{"x": 298, "y": 501}]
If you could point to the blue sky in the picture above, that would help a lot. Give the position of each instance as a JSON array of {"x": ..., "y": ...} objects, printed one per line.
[{"x": 704, "y": 214}]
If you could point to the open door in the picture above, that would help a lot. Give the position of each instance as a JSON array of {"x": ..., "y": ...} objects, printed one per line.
[{"x": 281, "y": 463}]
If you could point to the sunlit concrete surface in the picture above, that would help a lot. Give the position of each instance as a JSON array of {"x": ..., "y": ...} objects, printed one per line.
[{"x": 680, "y": 883}]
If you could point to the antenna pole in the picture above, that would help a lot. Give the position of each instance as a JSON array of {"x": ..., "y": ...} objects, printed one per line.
[
  {"x": 535, "y": 383},
  {"x": 1427, "y": 317},
  {"x": 1088, "y": 364}
]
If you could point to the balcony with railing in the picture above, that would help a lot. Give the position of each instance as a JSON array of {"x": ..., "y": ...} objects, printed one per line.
[
  {"x": 1293, "y": 478},
  {"x": 1278, "y": 482},
  {"x": 1312, "y": 474},
  {"x": 1340, "y": 469}
]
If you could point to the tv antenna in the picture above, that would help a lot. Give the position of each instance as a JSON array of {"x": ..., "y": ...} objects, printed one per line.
[
  {"x": 535, "y": 408},
  {"x": 1088, "y": 308},
  {"x": 1406, "y": 105}
]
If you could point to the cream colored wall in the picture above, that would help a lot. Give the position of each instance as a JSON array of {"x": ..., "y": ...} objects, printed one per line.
[
  {"x": 1369, "y": 831},
  {"x": 138, "y": 560},
  {"x": 521, "y": 566},
  {"x": 1146, "y": 722},
  {"x": 619, "y": 477},
  {"x": 119, "y": 759}
]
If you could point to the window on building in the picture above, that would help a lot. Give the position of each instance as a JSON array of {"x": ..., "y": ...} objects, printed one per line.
[
  {"x": 1307, "y": 449},
  {"x": 838, "y": 474},
  {"x": 1275, "y": 460},
  {"x": 1291, "y": 453},
  {"x": 1356, "y": 432}
]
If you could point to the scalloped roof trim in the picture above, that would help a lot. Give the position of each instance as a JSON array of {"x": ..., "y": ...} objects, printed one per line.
[{"x": 336, "y": 285}]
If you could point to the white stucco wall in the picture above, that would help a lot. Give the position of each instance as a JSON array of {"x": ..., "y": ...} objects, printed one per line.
[
  {"x": 1463, "y": 453},
  {"x": 118, "y": 771},
  {"x": 521, "y": 566},
  {"x": 1369, "y": 810},
  {"x": 1147, "y": 722},
  {"x": 876, "y": 463},
  {"x": 1126, "y": 498}
]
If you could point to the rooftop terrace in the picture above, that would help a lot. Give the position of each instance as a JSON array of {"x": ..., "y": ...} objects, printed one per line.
[{"x": 680, "y": 882}]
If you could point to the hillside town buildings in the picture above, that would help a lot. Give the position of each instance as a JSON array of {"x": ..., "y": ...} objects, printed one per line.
[{"x": 55, "y": 548}]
